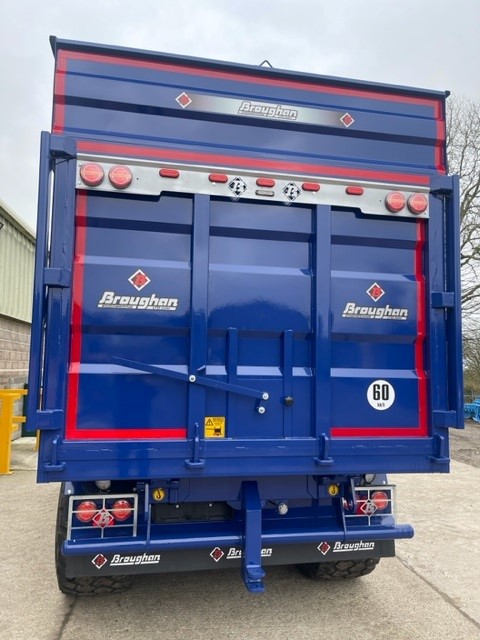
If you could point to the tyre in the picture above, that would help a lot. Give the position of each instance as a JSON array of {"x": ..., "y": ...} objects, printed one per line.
[
  {"x": 89, "y": 585},
  {"x": 343, "y": 570}
]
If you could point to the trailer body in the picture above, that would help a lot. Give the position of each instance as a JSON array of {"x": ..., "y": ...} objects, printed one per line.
[{"x": 246, "y": 306}]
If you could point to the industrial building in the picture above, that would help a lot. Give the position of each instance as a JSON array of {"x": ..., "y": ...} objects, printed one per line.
[{"x": 17, "y": 249}]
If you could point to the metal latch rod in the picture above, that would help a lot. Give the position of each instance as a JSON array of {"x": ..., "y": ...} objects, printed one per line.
[{"x": 194, "y": 379}]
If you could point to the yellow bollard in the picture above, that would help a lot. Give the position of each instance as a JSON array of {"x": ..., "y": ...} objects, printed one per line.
[{"x": 8, "y": 424}]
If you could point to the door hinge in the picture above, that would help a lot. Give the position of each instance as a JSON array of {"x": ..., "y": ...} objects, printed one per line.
[
  {"x": 49, "y": 420},
  {"x": 62, "y": 147},
  {"x": 440, "y": 449},
  {"x": 445, "y": 418},
  {"x": 443, "y": 299},
  {"x": 54, "y": 277}
]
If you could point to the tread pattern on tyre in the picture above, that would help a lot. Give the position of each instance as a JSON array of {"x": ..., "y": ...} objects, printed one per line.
[
  {"x": 85, "y": 586},
  {"x": 343, "y": 570}
]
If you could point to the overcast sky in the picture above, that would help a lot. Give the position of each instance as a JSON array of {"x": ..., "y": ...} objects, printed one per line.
[{"x": 425, "y": 43}]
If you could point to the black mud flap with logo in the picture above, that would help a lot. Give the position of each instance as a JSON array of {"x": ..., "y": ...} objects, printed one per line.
[{"x": 223, "y": 558}]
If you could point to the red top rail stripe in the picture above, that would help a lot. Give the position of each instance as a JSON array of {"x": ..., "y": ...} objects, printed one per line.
[{"x": 247, "y": 78}]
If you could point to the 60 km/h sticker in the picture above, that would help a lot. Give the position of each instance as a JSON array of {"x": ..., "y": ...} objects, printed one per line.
[{"x": 381, "y": 395}]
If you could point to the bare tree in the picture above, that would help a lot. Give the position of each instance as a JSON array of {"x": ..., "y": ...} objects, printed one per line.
[
  {"x": 471, "y": 359},
  {"x": 463, "y": 149}
]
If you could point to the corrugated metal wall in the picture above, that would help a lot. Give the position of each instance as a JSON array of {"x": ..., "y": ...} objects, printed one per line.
[{"x": 17, "y": 249}]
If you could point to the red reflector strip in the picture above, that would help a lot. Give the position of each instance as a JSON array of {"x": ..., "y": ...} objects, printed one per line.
[
  {"x": 311, "y": 186},
  {"x": 265, "y": 182},
  {"x": 218, "y": 177},
  {"x": 169, "y": 173},
  {"x": 354, "y": 191}
]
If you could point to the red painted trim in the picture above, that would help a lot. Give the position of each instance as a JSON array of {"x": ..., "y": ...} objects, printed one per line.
[
  {"x": 77, "y": 313},
  {"x": 58, "y": 122},
  {"x": 249, "y": 77},
  {"x": 250, "y": 163},
  {"x": 375, "y": 432},
  {"x": 440, "y": 145},
  {"x": 421, "y": 331},
  {"x": 128, "y": 434},
  {"x": 71, "y": 430},
  {"x": 422, "y": 429}
]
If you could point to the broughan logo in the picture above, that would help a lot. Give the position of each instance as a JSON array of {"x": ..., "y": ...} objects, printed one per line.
[
  {"x": 235, "y": 554},
  {"x": 353, "y": 546},
  {"x": 119, "y": 560},
  {"x": 377, "y": 313},
  {"x": 110, "y": 300},
  {"x": 265, "y": 110}
]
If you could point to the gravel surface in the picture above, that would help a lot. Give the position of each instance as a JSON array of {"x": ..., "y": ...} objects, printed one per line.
[{"x": 465, "y": 444}]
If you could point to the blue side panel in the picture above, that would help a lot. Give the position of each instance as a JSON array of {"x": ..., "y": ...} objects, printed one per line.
[{"x": 121, "y": 238}]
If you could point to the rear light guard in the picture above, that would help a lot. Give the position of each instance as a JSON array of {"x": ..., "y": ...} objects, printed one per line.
[
  {"x": 104, "y": 524},
  {"x": 375, "y": 505}
]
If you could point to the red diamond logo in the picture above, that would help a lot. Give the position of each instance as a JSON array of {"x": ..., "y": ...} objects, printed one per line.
[
  {"x": 347, "y": 120},
  {"x": 217, "y": 554},
  {"x": 183, "y": 100},
  {"x": 139, "y": 280},
  {"x": 324, "y": 548},
  {"x": 375, "y": 292},
  {"x": 368, "y": 507},
  {"x": 103, "y": 519},
  {"x": 99, "y": 560}
]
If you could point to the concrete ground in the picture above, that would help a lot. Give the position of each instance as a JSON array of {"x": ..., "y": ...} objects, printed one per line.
[{"x": 431, "y": 590}]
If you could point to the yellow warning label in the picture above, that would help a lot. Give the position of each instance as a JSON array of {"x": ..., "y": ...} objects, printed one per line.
[{"x": 214, "y": 427}]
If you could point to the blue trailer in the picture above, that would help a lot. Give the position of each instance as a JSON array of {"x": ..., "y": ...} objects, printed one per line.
[{"x": 246, "y": 314}]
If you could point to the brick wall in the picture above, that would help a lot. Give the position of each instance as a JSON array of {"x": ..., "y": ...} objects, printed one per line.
[{"x": 14, "y": 348}]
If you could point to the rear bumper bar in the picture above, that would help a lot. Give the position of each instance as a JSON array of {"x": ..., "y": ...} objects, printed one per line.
[
  {"x": 139, "y": 545},
  {"x": 250, "y": 537}
]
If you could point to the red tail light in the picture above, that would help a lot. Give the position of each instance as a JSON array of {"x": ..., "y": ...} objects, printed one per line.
[
  {"x": 86, "y": 510},
  {"x": 218, "y": 177},
  {"x": 311, "y": 186},
  {"x": 354, "y": 191},
  {"x": 418, "y": 203},
  {"x": 120, "y": 177},
  {"x": 169, "y": 173},
  {"x": 395, "y": 201},
  {"x": 121, "y": 510},
  {"x": 380, "y": 500},
  {"x": 92, "y": 174},
  {"x": 265, "y": 182}
]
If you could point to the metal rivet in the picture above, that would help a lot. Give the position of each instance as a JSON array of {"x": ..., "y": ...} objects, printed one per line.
[
  {"x": 261, "y": 410},
  {"x": 282, "y": 508},
  {"x": 265, "y": 396},
  {"x": 192, "y": 378}
]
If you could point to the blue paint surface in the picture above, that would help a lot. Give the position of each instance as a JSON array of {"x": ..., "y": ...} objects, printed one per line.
[{"x": 261, "y": 287}]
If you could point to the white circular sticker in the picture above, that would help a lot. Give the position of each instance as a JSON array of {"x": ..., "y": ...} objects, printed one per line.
[{"x": 381, "y": 395}]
